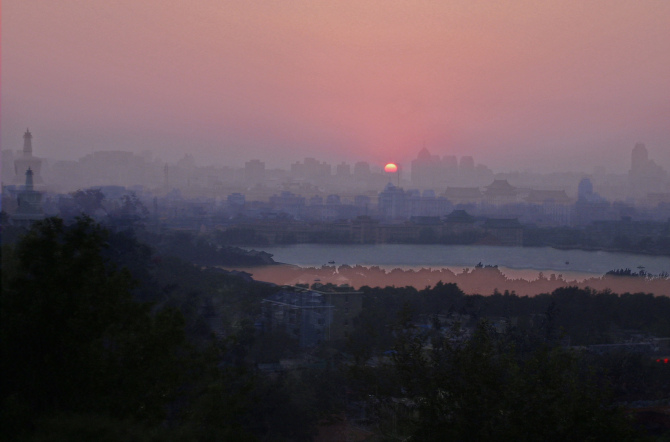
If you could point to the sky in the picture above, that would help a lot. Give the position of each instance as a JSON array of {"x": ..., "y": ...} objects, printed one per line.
[{"x": 549, "y": 86}]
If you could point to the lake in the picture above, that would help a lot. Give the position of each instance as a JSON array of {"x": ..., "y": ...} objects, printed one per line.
[{"x": 514, "y": 262}]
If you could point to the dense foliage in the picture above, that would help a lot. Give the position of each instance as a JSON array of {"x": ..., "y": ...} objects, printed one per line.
[
  {"x": 72, "y": 338},
  {"x": 83, "y": 355},
  {"x": 103, "y": 337},
  {"x": 484, "y": 388}
]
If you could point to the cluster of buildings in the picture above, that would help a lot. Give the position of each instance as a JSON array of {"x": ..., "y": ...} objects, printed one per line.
[
  {"x": 458, "y": 227},
  {"x": 432, "y": 172},
  {"x": 186, "y": 195},
  {"x": 394, "y": 204},
  {"x": 311, "y": 315}
]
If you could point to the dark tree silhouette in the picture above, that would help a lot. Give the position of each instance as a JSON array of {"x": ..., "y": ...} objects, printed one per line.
[{"x": 72, "y": 339}]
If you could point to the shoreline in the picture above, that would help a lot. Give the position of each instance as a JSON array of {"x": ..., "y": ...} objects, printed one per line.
[
  {"x": 478, "y": 280},
  {"x": 574, "y": 263},
  {"x": 606, "y": 249},
  {"x": 255, "y": 248}
]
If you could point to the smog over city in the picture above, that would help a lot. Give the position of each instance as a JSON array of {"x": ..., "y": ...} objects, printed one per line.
[
  {"x": 551, "y": 87},
  {"x": 351, "y": 220}
]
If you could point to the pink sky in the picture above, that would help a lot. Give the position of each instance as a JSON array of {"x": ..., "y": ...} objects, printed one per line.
[{"x": 551, "y": 85}]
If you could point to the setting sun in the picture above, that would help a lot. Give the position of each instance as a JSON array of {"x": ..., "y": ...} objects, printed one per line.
[{"x": 390, "y": 168}]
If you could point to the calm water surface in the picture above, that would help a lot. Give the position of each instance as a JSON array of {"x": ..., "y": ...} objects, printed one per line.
[{"x": 513, "y": 261}]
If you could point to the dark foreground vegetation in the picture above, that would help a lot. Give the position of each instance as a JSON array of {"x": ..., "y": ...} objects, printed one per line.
[{"x": 103, "y": 337}]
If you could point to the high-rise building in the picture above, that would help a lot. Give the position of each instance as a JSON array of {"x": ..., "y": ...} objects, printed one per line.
[
  {"x": 466, "y": 165},
  {"x": 392, "y": 202},
  {"x": 639, "y": 158},
  {"x": 500, "y": 192},
  {"x": 254, "y": 171},
  {"x": 645, "y": 176},
  {"x": 425, "y": 169},
  {"x": 585, "y": 190},
  {"x": 362, "y": 171},
  {"x": 343, "y": 170}
]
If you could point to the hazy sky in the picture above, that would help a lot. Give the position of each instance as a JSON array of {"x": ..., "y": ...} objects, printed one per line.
[{"x": 518, "y": 84}]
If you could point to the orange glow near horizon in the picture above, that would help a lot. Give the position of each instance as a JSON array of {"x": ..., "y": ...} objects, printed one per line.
[{"x": 390, "y": 168}]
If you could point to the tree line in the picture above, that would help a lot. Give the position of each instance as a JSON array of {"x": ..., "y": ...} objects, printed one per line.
[{"x": 105, "y": 337}]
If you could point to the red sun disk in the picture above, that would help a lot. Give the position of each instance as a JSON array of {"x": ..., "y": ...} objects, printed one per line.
[{"x": 390, "y": 168}]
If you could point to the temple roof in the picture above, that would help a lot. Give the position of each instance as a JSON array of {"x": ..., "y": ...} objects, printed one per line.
[
  {"x": 459, "y": 216},
  {"x": 500, "y": 187}
]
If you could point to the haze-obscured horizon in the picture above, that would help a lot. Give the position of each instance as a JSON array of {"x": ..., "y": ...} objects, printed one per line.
[{"x": 550, "y": 86}]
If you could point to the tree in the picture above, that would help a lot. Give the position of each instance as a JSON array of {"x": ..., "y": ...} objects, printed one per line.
[
  {"x": 482, "y": 389},
  {"x": 73, "y": 340},
  {"x": 131, "y": 212},
  {"x": 89, "y": 200}
]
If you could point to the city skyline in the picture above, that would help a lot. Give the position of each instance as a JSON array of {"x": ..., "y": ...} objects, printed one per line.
[{"x": 556, "y": 86}]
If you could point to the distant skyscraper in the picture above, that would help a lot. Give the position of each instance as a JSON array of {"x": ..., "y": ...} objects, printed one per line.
[
  {"x": 362, "y": 171},
  {"x": 639, "y": 158},
  {"x": 254, "y": 171},
  {"x": 585, "y": 189},
  {"x": 311, "y": 169},
  {"x": 450, "y": 164},
  {"x": 425, "y": 169},
  {"x": 343, "y": 170},
  {"x": 467, "y": 165},
  {"x": 645, "y": 176}
]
